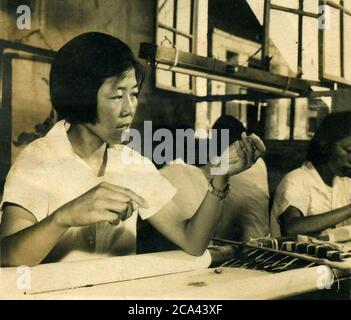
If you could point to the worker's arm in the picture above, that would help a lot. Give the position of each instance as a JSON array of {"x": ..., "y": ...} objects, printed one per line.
[
  {"x": 23, "y": 240},
  {"x": 193, "y": 235},
  {"x": 26, "y": 242},
  {"x": 293, "y": 222}
]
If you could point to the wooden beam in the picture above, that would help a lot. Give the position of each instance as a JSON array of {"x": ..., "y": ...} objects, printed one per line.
[
  {"x": 213, "y": 68},
  {"x": 339, "y": 80},
  {"x": 265, "y": 60},
  {"x": 338, "y": 6},
  {"x": 27, "y": 56},
  {"x": 5, "y": 115},
  {"x": 5, "y": 44},
  {"x": 174, "y": 30},
  {"x": 299, "y": 12},
  {"x": 300, "y": 42},
  {"x": 230, "y": 97},
  {"x": 342, "y": 41}
]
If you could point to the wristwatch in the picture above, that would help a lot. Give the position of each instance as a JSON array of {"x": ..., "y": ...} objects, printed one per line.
[{"x": 221, "y": 194}]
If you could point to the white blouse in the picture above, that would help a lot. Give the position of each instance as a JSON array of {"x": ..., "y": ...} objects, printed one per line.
[
  {"x": 304, "y": 189},
  {"x": 47, "y": 174}
]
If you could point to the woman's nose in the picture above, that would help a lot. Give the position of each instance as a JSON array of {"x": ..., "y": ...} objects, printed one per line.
[{"x": 128, "y": 107}]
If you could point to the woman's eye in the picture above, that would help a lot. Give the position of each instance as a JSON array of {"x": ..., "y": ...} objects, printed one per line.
[{"x": 116, "y": 98}]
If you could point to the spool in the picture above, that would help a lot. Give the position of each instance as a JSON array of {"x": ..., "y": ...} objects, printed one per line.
[{"x": 301, "y": 247}]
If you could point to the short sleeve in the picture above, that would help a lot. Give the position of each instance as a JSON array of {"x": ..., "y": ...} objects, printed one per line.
[
  {"x": 291, "y": 192},
  {"x": 158, "y": 192},
  {"x": 190, "y": 183},
  {"x": 26, "y": 183}
]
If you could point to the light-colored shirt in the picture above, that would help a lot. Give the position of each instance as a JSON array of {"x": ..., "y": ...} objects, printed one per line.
[
  {"x": 48, "y": 174},
  {"x": 304, "y": 189},
  {"x": 245, "y": 211}
]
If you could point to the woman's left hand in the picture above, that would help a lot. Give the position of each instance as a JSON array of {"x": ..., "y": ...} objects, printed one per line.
[{"x": 241, "y": 155}]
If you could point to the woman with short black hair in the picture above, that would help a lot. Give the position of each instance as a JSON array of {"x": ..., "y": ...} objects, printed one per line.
[{"x": 317, "y": 195}]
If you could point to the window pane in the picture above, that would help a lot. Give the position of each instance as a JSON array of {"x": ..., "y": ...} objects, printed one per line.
[
  {"x": 293, "y": 4},
  {"x": 166, "y": 12},
  {"x": 183, "y": 81},
  {"x": 284, "y": 34},
  {"x": 164, "y": 78},
  {"x": 310, "y": 49},
  {"x": 183, "y": 43},
  {"x": 347, "y": 4},
  {"x": 332, "y": 44},
  {"x": 184, "y": 16},
  {"x": 311, "y": 6},
  {"x": 162, "y": 34}
]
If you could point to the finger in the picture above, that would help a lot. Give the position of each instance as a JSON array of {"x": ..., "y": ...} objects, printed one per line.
[
  {"x": 116, "y": 196},
  {"x": 260, "y": 148},
  {"x": 127, "y": 213},
  {"x": 258, "y": 143},
  {"x": 115, "y": 206},
  {"x": 130, "y": 211},
  {"x": 131, "y": 194},
  {"x": 250, "y": 152},
  {"x": 124, "y": 211},
  {"x": 136, "y": 198},
  {"x": 110, "y": 217},
  {"x": 239, "y": 151},
  {"x": 118, "y": 208}
]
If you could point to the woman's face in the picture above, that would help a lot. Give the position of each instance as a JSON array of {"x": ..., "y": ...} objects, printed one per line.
[
  {"x": 340, "y": 160},
  {"x": 116, "y": 107}
]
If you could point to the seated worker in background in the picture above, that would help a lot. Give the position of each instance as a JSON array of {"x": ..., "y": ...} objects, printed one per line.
[
  {"x": 79, "y": 189},
  {"x": 245, "y": 212},
  {"x": 317, "y": 195}
]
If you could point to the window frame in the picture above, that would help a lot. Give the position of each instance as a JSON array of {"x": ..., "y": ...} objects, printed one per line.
[
  {"x": 342, "y": 13},
  {"x": 192, "y": 36}
]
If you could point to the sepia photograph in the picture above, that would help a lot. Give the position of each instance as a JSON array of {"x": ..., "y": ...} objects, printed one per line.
[{"x": 194, "y": 151}]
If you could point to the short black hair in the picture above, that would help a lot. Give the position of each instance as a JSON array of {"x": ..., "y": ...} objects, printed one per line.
[
  {"x": 80, "y": 68},
  {"x": 333, "y": 128},
  {"x": 235, "y": 127}
]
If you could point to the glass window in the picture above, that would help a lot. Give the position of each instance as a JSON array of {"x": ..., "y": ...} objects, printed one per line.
[
  {"x": 175, "y": 28},
  {"x": 332, "y": 45}
]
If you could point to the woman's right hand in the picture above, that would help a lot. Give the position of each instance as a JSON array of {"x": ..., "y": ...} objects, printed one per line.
[
  {"x": 239, "y": 156},
  {"x": 103, "y": 203}
]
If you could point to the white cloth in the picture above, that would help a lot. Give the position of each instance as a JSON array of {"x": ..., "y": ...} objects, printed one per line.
[
  {"x": 48, "y": 174},
  {"x": 245, "y": 211},
  {"x": 304, "y": 189}
]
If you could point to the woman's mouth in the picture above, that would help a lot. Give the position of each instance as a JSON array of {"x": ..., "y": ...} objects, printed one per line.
[{"x": 123, "y": 126}]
